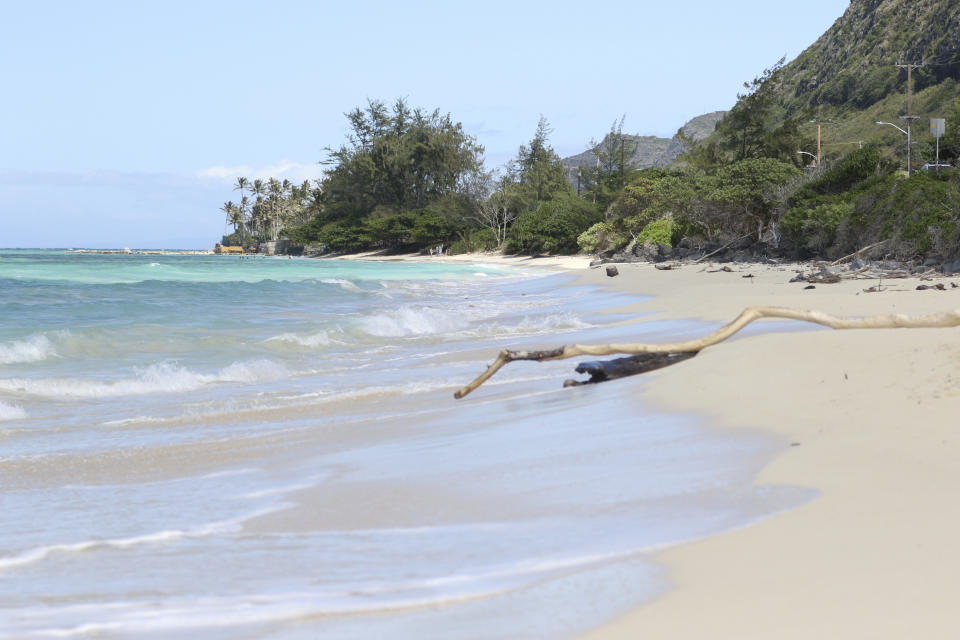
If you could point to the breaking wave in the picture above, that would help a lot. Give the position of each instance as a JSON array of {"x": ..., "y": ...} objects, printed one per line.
[
  {"x": 313, "y": 340},
  {"x": 33, "y": 349},
  {"x": 528, "y": 325},
  {"x": 408, "y": 321},
  {"x": 8, "y": 412},
  {"x": 421, "y": 321},
  {"x": 346, "y": 285}
]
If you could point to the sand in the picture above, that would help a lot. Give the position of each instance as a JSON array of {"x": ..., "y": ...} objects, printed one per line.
[{"x": 868, "y": 418}]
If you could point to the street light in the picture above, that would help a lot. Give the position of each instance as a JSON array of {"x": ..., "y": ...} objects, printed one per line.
[
  {"x": 906, "y": 133},
  {"x": 807, "y": 153},
  {"x": 892, "y": 125}
]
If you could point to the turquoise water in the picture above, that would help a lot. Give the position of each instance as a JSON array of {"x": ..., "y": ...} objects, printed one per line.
[{"x": 220, "y": 447}]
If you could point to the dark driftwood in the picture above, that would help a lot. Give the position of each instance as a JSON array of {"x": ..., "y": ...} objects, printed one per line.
[{"x": 603, "y": 370}]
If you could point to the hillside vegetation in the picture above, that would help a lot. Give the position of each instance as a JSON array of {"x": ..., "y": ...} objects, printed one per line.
[{"x": 851, "y": 67}]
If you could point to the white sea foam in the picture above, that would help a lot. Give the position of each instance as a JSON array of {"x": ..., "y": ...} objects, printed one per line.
[
  {"x": 11, "y": 412},
  {"x": 33, "y": 349},
  {"x": 38, "y": 554},
  {"x": 181, "y": 616},
  {"x": 311, "y": 340},
  {"x": 323, "y": 397},
  {"x": 279, "y": 491},
  {"x": 413, "y": 321},
  {"x": 344, "y": 284},
  {"x": 229, "y": 473},
  {"x": 157, "y": 378},
  {"x": 529, "y": 325}
]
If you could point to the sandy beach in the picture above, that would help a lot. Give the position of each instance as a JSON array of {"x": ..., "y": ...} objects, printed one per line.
[{"x": 868, "y": 418}]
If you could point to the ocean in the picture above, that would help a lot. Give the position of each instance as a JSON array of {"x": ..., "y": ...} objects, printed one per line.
[{"x": 260, "y": 447}]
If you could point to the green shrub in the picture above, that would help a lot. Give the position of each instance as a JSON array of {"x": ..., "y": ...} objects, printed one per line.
[
  {"x": 659, "y": 231},
  {"x": 392, "y": 231},
  {"x": 471, "y": 242},
  {"x": 344, "y": 236},
  {"x": 913, "y": 215},
  {"x": 601, "y": 237},
  {"x": 429, "y": 228},
  {"x": 235, "y": 239},
  {"x": 553, "y": 227},
  {"x": 815, "y": 228},
  {"x": 852, "y": 169}
]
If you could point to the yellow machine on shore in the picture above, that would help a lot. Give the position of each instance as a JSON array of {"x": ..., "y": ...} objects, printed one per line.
[{"x": 220, "y": 249}]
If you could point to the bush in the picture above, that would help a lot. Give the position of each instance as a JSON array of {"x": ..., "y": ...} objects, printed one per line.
[
  {"x": 815, "y": 229},
  {"x": 659, "y": 231},
  {"x": 915, "y": 216},
  {"x": 235, "y": 239},
  {"x": 601, "y": 237},
  {"x": 344, "y": 236},
  {"x": 478, "y": 240},
  {"x": 392, "y": 231},
  {"x": 852, "y": 169},
  {"x": 429, "y": 228},
  {"x": 553, "y": 227}
]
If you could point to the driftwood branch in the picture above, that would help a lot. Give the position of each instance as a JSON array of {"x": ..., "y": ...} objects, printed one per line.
[
  {"x": 856, "y": 253},
  {"x": 750, "y": 314},
  {"x": 701, "y": 258}
]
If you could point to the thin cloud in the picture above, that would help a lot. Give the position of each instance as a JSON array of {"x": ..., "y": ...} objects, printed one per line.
[{"x": 285, "y": 169}]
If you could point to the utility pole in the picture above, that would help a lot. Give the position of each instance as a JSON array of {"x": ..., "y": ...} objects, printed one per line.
[
  {"x": 819, "y": 123},
  {"x": 909, "y": 117}
]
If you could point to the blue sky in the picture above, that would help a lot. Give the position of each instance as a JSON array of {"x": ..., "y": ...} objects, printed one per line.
[{"x": 125, "y": 123}]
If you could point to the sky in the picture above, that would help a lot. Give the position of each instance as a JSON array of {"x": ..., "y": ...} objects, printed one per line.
[{"x": 125, "y": 124}]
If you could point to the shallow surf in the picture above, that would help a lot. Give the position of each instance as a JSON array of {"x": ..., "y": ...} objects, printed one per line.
[{"x": 222, "y": 446}]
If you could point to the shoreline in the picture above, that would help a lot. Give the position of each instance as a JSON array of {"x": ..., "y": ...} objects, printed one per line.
[
  {"x": 564, "y": 263},
  {"x": 868, "y": 417}
]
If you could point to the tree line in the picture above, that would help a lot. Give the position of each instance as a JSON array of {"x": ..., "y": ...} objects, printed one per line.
[{"x": 407, "y": 179}]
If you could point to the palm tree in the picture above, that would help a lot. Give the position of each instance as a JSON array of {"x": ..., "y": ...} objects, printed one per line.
[
  {"x": 242, "y": 183},
  {"x": 244, "y": 215},
  {"x": 226, "y": 208},
  {"x": 276, "y": 191},
  {"x": 234, "y": 215},
  {"x": 259, "y": 189}
]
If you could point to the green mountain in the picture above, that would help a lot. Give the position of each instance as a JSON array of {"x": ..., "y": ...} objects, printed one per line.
[{"x": 850, "y": 74}]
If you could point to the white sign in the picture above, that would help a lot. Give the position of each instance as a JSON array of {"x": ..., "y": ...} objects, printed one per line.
[{"x": 938, "y": 126}]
